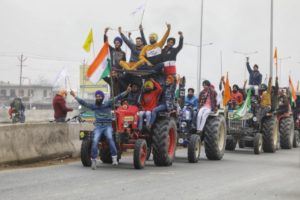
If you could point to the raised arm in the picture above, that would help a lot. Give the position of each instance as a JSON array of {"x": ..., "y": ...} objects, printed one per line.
[
  {"x": 142, "y": 34},
  {"x": 248, "y": 65},
  {"x": 127, "y": 41},
  {"x": 180, "y": 45},
  {"x": 164, "y": 38}
]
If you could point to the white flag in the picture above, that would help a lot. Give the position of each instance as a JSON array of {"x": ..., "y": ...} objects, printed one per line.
[
  {"x": 61, "y": 76},
  {"x": 141, "y": 8}
]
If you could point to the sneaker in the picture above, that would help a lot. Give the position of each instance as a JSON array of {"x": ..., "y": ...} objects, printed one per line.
[
  {"x": 94, "y": 164},
  {"x": 115, "y": 160}
]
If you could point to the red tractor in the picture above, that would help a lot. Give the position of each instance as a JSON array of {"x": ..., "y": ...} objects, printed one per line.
[{"x": 161, "y": 139}]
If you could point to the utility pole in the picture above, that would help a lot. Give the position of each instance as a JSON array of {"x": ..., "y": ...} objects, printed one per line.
[
  {"x": 200, "y": 51},
  {"x": 22, "y": 60},
  {"x": 271, "y": 39}
]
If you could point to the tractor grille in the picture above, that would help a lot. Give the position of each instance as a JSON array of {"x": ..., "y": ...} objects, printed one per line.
[{"x": 236, "y": 126}]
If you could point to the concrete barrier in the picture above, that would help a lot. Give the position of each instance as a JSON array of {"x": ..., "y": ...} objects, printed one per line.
[
  {"x": 33, "y": 115},
  {"x": 39, "y": 141}
]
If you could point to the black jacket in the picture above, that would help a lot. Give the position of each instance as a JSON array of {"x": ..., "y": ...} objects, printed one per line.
[{"x": 170, "y": 54}]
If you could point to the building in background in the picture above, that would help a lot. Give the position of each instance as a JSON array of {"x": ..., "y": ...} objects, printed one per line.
[
  {"x": 87, "y": 88},
  {"x": 33, "y": 96}
]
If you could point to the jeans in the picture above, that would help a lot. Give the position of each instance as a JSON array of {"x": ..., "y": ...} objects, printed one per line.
[
  {"x": 156, "y": 110},
  {"x": 98, "y": 132},
  {"x": 141, "y": 118}
]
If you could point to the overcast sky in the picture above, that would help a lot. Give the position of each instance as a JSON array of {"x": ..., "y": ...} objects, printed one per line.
[{"x": 50, "y": 33}]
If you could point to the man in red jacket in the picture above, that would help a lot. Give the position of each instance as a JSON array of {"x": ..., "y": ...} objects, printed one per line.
[
  {"x": 149, "y": 100},
  {"x": 59, "y": 106}
]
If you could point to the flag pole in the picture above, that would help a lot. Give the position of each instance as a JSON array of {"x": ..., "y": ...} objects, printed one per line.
[{"x": 144, "y": 12}]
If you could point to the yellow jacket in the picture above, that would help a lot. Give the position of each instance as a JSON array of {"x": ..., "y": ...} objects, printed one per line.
[
  {"x": 152, "y": 53},
  {"x": 266, "y": 95}
]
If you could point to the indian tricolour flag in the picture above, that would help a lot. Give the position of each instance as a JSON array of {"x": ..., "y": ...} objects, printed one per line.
[{"x": 101, "y": 66}]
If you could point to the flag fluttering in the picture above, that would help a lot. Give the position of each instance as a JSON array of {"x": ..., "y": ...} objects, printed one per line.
[
  {"x": 141, "y": 8},
  {"x": 292, "y": 89},
  {"x": 101, "y": 66},
  {"x": 88, "y": 41},
  {"x": 244, "y": 109},
  {"x": 276, "y": 56},
  {"x": 227, "y": 95},
  {"x": 60, "y": 78}
]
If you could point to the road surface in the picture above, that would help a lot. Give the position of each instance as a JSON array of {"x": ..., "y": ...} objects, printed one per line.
[{"x": 240, "y": 175}]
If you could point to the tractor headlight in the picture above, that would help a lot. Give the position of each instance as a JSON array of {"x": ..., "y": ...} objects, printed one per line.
[
  {"x": 126, "y": 124},
  {"x": 183, "y": 124},
  {"x": 254, "y": 119}
]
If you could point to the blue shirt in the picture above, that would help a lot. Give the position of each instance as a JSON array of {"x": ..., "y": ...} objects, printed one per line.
[
  {"x": 103, "y": 112},
  {"x": 191, "y": 102}
]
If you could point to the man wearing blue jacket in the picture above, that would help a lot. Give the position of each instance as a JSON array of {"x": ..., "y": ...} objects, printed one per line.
[
  {"x": 255, "y": 76},
  {"x": 103, "y": 123}
]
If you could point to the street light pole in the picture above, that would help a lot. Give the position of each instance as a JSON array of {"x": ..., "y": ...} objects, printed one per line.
[
  {"x": 271, "y": 40},
  {"x": 200, "y": 49}
]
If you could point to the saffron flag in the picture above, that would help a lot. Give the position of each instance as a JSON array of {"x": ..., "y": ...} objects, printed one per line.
[
  {"x": 88, "y": 41},
  {"x": 101, "y": 66},
  {"x": 276, "y": 56},
  {"x": 292, "y": 89},
  {"x": 227, "y": 95}
]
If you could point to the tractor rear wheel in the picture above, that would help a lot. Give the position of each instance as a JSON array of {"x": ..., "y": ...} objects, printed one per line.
[
  {"x": 270, "y": 134},
  {"x": 215, "y": 137},
  {"x": 164, "y": 141},
  {"x": 286, "y": 129}
]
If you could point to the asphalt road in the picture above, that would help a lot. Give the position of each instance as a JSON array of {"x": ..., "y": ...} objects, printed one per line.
[{"x": 240, "y": 175}]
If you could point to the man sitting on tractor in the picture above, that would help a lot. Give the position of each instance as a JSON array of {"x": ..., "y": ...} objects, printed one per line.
[
  {"x": 149, "y": 100},
  {"x": 134, "y": 95},
  {"x": 207, "y": 104},
  {"x": 283, "y": 102},
  {"x": 167, "y": 100},
  {"x": 103, "y": 123},
  {"x": 265, "y": 98},
  {"x": 236, "y": 97}
]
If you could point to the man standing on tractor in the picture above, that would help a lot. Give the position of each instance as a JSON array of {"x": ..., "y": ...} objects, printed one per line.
[
  {"x": 103, "y": 123},
  {"x": 167, "y": 100},
  {"x": 170, "y": 53},
  {"x": 207, "y": 104},
  {"x": 149, "y": 100},
  {"x": 283, "y": 102},
  {"x": 134, "y": 95},
  {"x": 255, "y": 77},
  {"x": 116, "y": 52}
]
